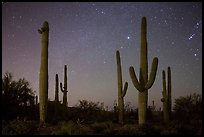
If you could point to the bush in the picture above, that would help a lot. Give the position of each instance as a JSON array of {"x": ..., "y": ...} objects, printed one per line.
[
  {"x": 129, "y": 129},
  {"x": 189, "y": 108},
  {"x": 19, "y": 127},
  {"x": 103, "y": 127},
  {"x": 17, "y": 98},
  {"x": 68, "y": 128}
]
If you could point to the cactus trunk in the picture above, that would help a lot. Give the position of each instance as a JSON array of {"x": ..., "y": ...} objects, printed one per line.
[
  {"x": 164, "y": 99},
  {"x": 143, "y": 96},
  {"x": 143, "y": 84},
  {"x": 169, "y": 91},
  {"x": 166, "y": 96},
  {"x": 43, "y": 83},
  {"x": 64, "y": 89},
  {"x": 121, "y": 91},
  {"x": 56, "y": 88},
  {"x": 36, "y": 100}
]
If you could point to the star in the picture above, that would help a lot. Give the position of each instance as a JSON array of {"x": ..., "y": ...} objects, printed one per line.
[
  {"x": 191, "y": 37},
  {"x": 172, "y": 43},
  {"x": 128, "y": 37}
]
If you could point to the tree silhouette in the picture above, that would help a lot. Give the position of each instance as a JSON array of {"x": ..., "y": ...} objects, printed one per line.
[
  {"x": 17, "y": 97},
  {"x": 188, "y": 108}
]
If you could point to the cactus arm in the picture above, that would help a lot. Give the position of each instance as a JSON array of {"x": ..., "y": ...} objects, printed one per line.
[
  {"x": 152, "y": 74},
  {"x": 134, "y": 79},
  {"x": 125, "y": 89},
  {"x": 164, "y": 86},
  {"x": 61, "y": 87}
]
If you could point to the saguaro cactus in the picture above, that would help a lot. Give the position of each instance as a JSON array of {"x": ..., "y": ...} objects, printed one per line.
[
  {"x": 43, "y": 83},
  {"x": 56, "y": 88},
  {"x": 166, "y": 96},
  {"x": 65, "y": 86},
  {"x": 169, "y": 91},
  {"x": 36, "y": 100},
  {"x": 144, "y": 83},
  {"x": 121, "y": 91}
]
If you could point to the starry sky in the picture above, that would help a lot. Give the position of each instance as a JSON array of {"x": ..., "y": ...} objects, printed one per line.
[{"x": 85, "y": 37}]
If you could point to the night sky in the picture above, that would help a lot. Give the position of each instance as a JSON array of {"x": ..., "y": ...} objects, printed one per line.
[{"x": 85, "y": 37}]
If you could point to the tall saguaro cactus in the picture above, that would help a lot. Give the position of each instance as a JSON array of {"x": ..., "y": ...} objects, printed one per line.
[
  {"x": 56, "y": 88},
  {"x": 144, "y": 83},
  {"x": 169, "y": 90},
  {"x": 43, "y": 83},
  {"x": 166, "y": 96},
  {"x": 64, "y": 89},
  {"x": 121, "y": 91}
]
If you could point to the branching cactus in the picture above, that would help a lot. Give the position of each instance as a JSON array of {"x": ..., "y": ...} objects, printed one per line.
[
  {"x": 56, "y": 88},
  {"x": 144, "y": 83},
  {"x": 43, "y": 83},
  {"x": 166, "y": 96},
  {"x": 64, "y": 89},
  {"x": 121, "y": 91}
]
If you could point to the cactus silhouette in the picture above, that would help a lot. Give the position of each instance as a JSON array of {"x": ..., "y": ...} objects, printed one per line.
[
  {"x": 36, "y": 100},
  {"x": 56, "y": 88},
  {"x": 144, "y": 83},
  {"x": 43, "y": 83},
  {"x": 166, "y": 96},
  {"x": 169, "y": 91},
  {"x": 64, "y": 89},
  {"x": 121, "y": 91}
]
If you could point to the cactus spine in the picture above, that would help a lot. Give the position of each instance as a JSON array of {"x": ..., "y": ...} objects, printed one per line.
[
  {"x": 143, "y": 84},
  {"x": 65, "y": 86},
  {"x": 121, "y": 91},
  {"x": 43, "y": 83},
  {"x": 166, "y": 96},
  {"x": 56, "y": 88}
]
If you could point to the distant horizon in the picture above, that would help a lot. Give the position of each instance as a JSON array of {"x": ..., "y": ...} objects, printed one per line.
[{"x": 85, "y": 37}]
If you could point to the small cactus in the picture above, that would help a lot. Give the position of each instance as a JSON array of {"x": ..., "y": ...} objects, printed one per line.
[
  {"x": 43, "y": 83},
  {"x": 121, "y": 91},
  {"x": 64, "y": 89},
  {"x": 56, "y": 88},
  {"x": 144, "y": 83},
  {"x": 166, "y": 96}
]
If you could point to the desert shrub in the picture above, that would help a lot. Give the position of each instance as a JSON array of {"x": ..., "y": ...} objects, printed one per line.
[
  {"x": 185, "y": 129},
  {"x": 128, "y": 129},
  {"x": 102, "y": 127},
  {"x": 17, "y": 98},
  {"x": 189, "y": 108},
  {"x": 188, "y": 114},
  {"x": 169, "y": 131},
  {"x": 19, "y": 127},
  {"x": 98, "y": 127},
  {"x": 150, "y": 129},
  {"x": 91, "y": 112},
  {"x": 68, "y": 128}
]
